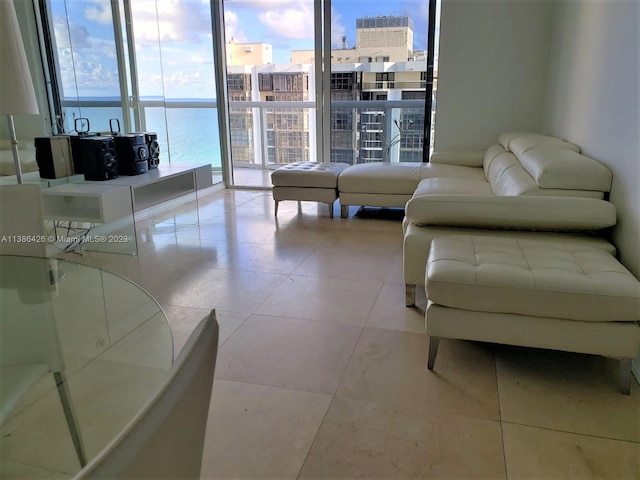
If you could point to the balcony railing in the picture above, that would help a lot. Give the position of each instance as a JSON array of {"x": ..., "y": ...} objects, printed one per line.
[
  {"x": 265, "y": 135},
  {"x": 393, "y": 84}
]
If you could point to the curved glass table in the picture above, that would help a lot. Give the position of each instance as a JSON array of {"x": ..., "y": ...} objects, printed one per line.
[{"x": 82, "y": 350}]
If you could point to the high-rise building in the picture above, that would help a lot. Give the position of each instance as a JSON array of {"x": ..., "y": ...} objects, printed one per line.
[
  {"x": 381, "y": 65},
  {"x": 384, "y": 39}
]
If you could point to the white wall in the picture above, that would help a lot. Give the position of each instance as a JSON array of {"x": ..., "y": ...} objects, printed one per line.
[
  {"x": 492, "y": 70},
  {"x": 592, "y": 100}
]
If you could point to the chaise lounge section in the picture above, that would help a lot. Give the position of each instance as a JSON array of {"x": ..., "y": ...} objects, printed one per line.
[
  {"x": 532, "y": 185},
  {"x": 526, "y": 292}
]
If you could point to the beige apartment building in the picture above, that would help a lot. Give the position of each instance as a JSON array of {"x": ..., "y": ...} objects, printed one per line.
[
  {"x": 249, "y": 53},
  {"x": 382, "y": 66}
]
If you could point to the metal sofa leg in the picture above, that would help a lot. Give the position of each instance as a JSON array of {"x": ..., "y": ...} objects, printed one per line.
[
  {"x": 344, "y": 211},
  {"x": 330, "y": 209},
  {"x": 434, "y": 343},
  {"x": 625, "y": 375},
  {"x": 276, "y": 214},
  {"x": 409, "y": 295}
]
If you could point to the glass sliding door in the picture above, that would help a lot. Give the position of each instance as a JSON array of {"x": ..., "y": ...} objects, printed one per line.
[
  {"x": 176, "y": 78},
  {"x": 147, "y": 63},
  {"x": 378, "y": 83},
  {"x": 271, "y": 86},
  {"x": 305, "y": 80},
  {"x": 87, "y": 65}
]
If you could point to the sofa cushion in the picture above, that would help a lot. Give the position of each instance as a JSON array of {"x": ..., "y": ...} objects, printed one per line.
[
  {"x": 521, "y": 145},
  {"x": 381, "y": 177},
  {"x": 436, "y": 170},
  {"x": 464, "y": 158},
  {"x": 308, "y": 174},
  {"x": 452, "y": 186},
  {"x": 520, "y": 142},
  {"x": 528, "y": 277},
  {"x": 565, "y": 169},
  {"x": 490, "y": 155},
  {"x": 496, "y": 163},
  {"x": 519, "y": 212},
  {"x": 508, "y": 177}
]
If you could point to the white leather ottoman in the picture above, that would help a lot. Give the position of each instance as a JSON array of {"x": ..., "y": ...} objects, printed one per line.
[
  {"x": 532, "y": 293},
  {"x": 379, "y": 184},
  {"x": 307, "y": 181}
]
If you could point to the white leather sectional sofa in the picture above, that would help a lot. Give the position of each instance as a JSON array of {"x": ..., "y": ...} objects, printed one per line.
[
  {"x": 510, "y": 243},
  {"x": 526, "y": 185}
]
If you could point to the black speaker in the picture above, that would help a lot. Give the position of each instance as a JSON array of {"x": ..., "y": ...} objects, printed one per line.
[
  {"x": 132, "y": 152},
  {"x": 151, "y": 139},
  {"x": 99, "y": 158},
  {"x": 53, "y": 156},
  {"x": 82, "y": 126}
]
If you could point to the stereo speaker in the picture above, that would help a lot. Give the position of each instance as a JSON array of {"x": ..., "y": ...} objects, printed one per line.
[
  {"x": 99, "y": 157},
  {"x": 53, "y": 156},
  {"x": 151, "y": 139},
  {"x": 132, "y": 152},
  {"x": 82, "y": 128}
]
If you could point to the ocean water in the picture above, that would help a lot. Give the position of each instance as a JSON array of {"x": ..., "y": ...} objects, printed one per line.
[{"x": 185, "y": 135}]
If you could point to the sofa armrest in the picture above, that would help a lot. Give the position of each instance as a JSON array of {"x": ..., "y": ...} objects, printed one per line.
[
  {"x": 526, "y": 212},
  {"x": 463, "y": 158}
]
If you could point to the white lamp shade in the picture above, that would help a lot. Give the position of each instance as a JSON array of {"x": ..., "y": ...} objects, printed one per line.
[{"x": 17, "y": 95}]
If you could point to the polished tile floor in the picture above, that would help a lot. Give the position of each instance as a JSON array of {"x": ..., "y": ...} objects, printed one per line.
[{"x": 321, "y": 369}]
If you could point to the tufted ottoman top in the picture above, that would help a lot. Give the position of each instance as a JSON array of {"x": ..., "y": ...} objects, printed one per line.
[
  {"x": 530, "y": 277},
  {"x": 308, "y": 174},
  {"x": 382, "y": 177}
]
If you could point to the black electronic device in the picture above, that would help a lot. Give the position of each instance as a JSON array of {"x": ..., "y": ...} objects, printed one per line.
[
  {"x": 151, "y": 139},
  {"x": 99, "y": 157},
  {"x": 132, "y": 152},
  {"x": 53, "y": 156},
  {"x": 128, "y": 164},
  {"x": 82, "y": 127}
]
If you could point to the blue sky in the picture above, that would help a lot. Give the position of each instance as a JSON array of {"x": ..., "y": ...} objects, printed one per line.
[
  {"x": 174, "y": 41},
  {"x": 288, "y": 25}
]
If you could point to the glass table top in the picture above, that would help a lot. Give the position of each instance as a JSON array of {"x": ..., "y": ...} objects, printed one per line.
[{"x": 109, "y": 338}]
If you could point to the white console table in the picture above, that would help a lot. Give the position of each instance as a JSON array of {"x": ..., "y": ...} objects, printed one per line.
[
  {"x": 162, "y": 184},
  {"x": 82, "y": 202},
  {"x": 108, "y": 201}
]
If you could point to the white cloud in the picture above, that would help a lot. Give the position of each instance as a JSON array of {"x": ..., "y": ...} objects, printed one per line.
[
  {"x": 99, "y": 11},
  {"x": 203, "y": 58},
  {"x": 293, "y": 22},
  {"x": 232, "y": 27},
  {"x": 68, "y": 34},
  {"x": 180, "y": 21},
  {"x": 338, "y": 30}
]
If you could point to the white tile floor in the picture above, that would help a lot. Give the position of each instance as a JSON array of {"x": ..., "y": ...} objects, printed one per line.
[{"x": 321, "y": 369}]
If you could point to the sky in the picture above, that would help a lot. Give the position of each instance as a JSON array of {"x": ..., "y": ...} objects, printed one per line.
[{"x": 174, "y": 41}]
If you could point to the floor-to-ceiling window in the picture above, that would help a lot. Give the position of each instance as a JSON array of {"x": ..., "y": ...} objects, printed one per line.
[
  {"x": 149, "y": 63},
  {"x": 271, "y": 86},
  {"x": 377, "y": 83},
  {"x": 146, "y": 63},
  {"x": 378, "y": 80}
]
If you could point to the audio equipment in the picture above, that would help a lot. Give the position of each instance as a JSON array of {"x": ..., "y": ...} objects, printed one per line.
[
  {"x": 132, "y": 152},
  {"x": 82, "y": 126},
  {"x": 53, "y": 156},
  {"x": 99, "y": 157},
  {"x": 128, "y": 165},
  {"x": 151, "y": 139}
]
